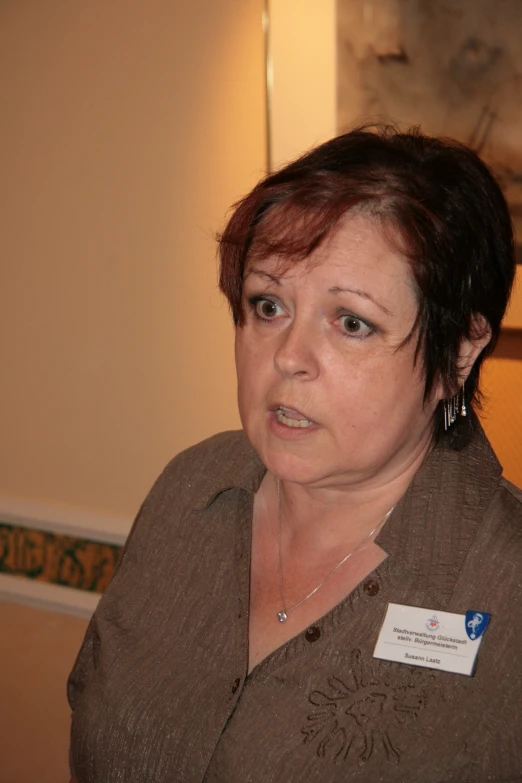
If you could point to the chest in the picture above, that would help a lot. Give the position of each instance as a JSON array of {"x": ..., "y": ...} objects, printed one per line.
[
  {"x": 305, "y": 588},
  {"x": 322, "y": 708}
]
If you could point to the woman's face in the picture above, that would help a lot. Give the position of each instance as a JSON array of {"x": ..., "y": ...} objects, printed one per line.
[{"x": 327, "y": 395}]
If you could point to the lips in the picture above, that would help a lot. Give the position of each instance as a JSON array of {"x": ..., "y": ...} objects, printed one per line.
[{"x": 291, "y": 417}]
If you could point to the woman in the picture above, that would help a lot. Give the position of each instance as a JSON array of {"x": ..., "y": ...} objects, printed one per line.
[{"x": 242, "y": 637}]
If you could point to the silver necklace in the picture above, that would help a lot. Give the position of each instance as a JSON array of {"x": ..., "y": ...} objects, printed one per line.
[{"x": 282, "y": 616}]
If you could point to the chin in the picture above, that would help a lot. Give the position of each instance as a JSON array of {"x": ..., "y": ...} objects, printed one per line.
[{"x": 288, "y": 466}]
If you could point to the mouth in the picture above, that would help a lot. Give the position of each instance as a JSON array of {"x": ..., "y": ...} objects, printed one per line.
[{"x": 291, "y": 417}]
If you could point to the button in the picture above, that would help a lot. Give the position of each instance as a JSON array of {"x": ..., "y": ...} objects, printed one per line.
[
  {"x": 371, "y": 587},
  {"x": 236, "y": 685},
  {"x": 312, "y": 634}
]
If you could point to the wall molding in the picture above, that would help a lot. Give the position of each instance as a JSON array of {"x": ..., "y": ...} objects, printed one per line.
[
  {"x": 41, "y": 595},
  {"x": 69, "y": 521},
  {"x": 79, "y": 524}
]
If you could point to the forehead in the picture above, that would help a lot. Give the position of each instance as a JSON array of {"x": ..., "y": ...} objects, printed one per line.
[{"x": 360, "y": 248}]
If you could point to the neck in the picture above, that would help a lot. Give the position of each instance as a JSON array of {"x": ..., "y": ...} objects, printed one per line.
[{"x": 322, "y": 516}]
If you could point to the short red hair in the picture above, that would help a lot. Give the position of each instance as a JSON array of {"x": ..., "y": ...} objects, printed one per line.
[{"x": 441, "y": 201}]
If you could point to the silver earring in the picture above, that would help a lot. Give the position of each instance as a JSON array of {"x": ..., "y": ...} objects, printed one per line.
[
  {"x": 450, "y": 411},
  {"x": 453, "y": 406}
]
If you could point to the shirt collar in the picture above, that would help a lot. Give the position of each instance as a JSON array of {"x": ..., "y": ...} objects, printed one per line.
[
  {"x": 432, "y": 527},
  {"x": 242, "y": 470}
]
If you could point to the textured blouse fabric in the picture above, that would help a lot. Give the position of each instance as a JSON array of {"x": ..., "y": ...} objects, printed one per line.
[{"x": 160, "y": 691}]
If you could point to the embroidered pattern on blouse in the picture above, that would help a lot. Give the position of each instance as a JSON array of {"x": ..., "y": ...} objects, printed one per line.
[{"x": 369, "y": 710}]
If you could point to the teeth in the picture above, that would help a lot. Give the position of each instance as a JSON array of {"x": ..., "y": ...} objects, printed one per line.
[{"x": 280, "y": 416}]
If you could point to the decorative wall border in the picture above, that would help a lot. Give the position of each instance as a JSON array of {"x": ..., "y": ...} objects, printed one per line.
[
  {"x": 52, "y": 557},
  {"x": 57, "y": 558}
]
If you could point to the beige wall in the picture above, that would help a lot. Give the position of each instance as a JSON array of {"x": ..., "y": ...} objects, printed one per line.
[
  {"x": 37, "y": 650},
  {"x": 128, "y": 130},
  {"x": 302, "y": 76},
  {"x": 502, "y": 409}
]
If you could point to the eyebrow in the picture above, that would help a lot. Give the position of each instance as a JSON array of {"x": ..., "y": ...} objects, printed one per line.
[
  {"x": 337, "y": 289},
  {"x": 259, "y": 273}
]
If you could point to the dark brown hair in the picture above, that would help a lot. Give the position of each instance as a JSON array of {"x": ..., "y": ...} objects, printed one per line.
[{"x": 435, "y": 194}]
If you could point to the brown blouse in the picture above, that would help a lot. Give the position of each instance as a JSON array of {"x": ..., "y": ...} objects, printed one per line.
[{"x": 160, "y": 691}]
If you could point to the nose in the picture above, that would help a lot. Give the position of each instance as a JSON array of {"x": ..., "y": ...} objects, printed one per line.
[{"x": 297, "y": 352}]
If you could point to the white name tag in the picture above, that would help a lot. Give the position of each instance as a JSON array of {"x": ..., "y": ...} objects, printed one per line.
[{"x": 437, "y": 640}]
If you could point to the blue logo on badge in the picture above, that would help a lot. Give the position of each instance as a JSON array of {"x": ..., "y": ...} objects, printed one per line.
[
  {"x": 433, "y": 623},
  {"x": 476, "y": 623}
]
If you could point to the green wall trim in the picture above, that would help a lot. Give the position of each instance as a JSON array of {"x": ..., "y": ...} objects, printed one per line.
[{"x": 57, "y": 559}]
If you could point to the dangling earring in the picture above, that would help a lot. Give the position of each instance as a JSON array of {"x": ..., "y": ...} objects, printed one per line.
[
  {"x": 463, "y": 409},
  {"x": 453, "y": 406},
  {"x": 450, "y": 411}
]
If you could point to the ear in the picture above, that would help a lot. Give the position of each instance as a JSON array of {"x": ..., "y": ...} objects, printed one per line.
[{"x": 472, "y": 346}]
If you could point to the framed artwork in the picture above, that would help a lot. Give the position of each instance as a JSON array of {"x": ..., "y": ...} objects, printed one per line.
[{"x": 454, "y": 68}]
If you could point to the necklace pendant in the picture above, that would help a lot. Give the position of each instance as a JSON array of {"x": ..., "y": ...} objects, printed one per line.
[{"x": 282, "y": 617}]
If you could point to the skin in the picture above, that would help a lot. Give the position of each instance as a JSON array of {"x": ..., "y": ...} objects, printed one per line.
[
  {"x": 325, "y": 339},
  {"x": 334, "y": 356}
]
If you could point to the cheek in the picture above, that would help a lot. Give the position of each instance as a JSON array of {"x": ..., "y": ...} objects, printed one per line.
[
  {"x": 248, "y": 369},
  {"x": 252, "y": 355},
  {"x": 377, "y": 392},
  {"x": 241, "y": 354}
]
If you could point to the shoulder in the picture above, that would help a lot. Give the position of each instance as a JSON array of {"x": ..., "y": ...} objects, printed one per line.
[
  {"x": 506, "y": 506},
  {"x": 502, "y": 522},
  {"x": 512, "y": 490},
  {"x": 210, "y": 454},
  {"x": 219, "y": 462},
  {"x": 497, "y": 549},
  {"x": 504, "y": 518},
  {"x": 498, "y": 502},
  {"x": 200, "y": 472},
  {"x": 184, "y": 489}
]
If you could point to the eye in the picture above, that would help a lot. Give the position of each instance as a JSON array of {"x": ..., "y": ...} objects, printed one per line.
[
  {"x": 352, "y": 325},
  {"x": 265, "y": 309}
]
